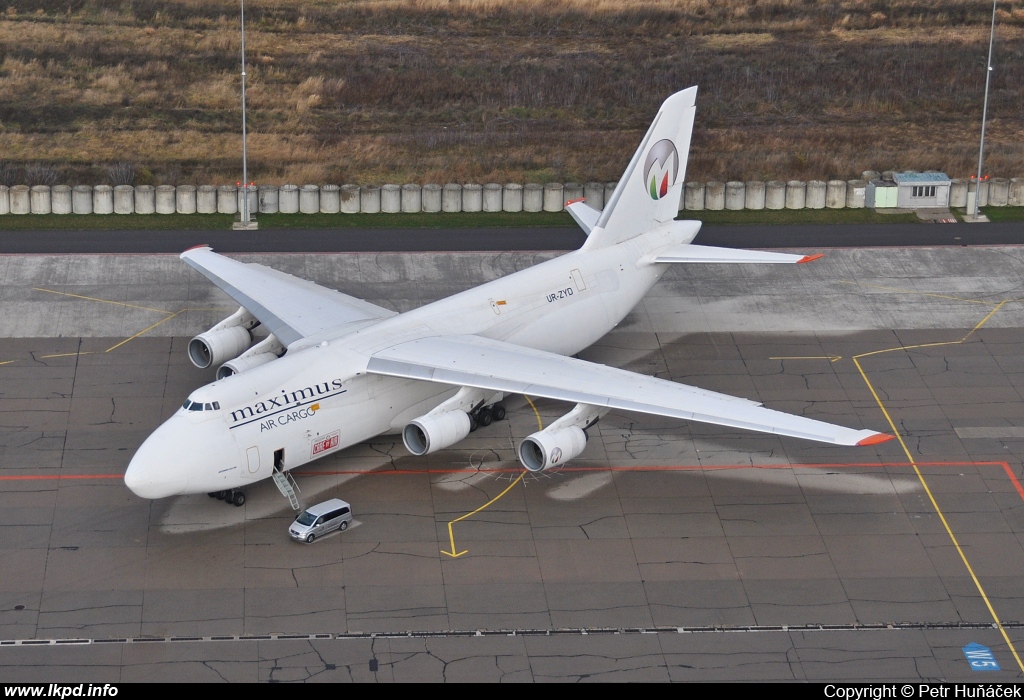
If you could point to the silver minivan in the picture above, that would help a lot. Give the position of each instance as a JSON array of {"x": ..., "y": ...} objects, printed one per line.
[{"x": 320, "y": 519}]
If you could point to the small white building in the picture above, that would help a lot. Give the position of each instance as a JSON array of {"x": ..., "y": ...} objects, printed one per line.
[
  {"x": 922, "y": 190},
  {"x": 880, "y": 194}
]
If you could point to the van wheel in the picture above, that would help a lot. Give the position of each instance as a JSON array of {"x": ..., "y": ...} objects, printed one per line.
[
  {"x": 310, "y": 538},
  {"x": 238, "y": 499},
  {"x": 344, "y": 526}
]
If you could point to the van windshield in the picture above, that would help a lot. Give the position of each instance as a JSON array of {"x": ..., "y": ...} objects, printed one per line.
[{"x": 305, "y": 518}]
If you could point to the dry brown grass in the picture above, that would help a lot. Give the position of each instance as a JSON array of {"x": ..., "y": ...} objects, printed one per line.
[{"x": 504, "y": 90}]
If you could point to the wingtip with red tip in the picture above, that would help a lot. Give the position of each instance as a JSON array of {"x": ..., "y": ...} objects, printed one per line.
[
  {"x": 810, "y": 258},
  {"x": 876, "y": 439}
]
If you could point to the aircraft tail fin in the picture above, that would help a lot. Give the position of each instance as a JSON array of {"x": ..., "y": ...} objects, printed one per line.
[{"x": 649, "y": 192}]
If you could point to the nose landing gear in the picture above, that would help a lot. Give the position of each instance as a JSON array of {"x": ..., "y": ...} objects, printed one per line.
[{"x": 234, "y": 496}]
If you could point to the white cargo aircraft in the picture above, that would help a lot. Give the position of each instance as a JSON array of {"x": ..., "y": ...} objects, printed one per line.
[{"x": 336, "y": 370}]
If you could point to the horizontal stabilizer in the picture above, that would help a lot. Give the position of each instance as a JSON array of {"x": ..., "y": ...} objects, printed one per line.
[
  {"x": 585, "y": 215},
  {"x": 709, "y": 254}
]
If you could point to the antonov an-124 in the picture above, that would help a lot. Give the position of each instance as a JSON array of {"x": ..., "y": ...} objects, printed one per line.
[{"x": 335, "y": 370}]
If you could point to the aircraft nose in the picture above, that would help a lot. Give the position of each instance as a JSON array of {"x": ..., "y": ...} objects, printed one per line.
[{"x": 158, "y": 469}]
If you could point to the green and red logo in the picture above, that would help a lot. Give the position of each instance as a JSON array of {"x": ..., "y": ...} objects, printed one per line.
[{"x": 661, "y": 168}]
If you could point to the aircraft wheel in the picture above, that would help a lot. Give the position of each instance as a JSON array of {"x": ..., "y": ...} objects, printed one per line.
[
  {"x": 473, "y": 424},
  {"x": 212, "y": 494},
  {"x": 344, "y": 526},
  {"x": 220, "y": 495},
  {"x": 498, "y": 411},
  {"x": 484, "y": 417},
  {"x": 238, "y": 499},
  {"x": 310, "y": 538}
]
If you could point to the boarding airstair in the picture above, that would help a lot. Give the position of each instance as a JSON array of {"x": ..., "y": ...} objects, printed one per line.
[{"x": 287, "y": 486}]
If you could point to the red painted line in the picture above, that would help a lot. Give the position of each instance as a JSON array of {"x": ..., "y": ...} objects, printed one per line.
[
  {"x": 642, "y": 468},
  {"x": 58, "y": 477}
]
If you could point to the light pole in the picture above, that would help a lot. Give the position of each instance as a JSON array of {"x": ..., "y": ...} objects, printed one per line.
[
  {"x": 246, "y": 223},
  {"x": 984, "y": 111}
]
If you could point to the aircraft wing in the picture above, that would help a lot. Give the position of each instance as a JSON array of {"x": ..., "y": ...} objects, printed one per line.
[
  {"x": 498, "y": 366},
  {"x": 291, "y": 308}
]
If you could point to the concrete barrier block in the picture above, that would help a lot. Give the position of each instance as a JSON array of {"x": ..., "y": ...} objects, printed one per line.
[
  {"x": 816, "y": 194},
  {"x": 369, "y": 199},
  {"x": 5, "y": 200},
  {"x": 430, "y": 198},
  {"x": 60, "y": 199},
  {"x": 145, "y": 199},
  {"x": 206, "y": 199},
  {"x": 856, "y": 194},
  {"x": 165, "y": 195},
  {"x": 254, "y": 200},
  {"x": 412, "y": 198},
  {"x": 451, "y": 197},
  {"x": 796, "y": 194},
  {"x": 957, "y": 192},
  {"x": 553, "y": 199},
  {"x": 39, "y": 199},
  {"x": 512, "y": 197},
  {"x": 714, "y": 196},
  {"x": 391, "y": 199},
  {"x": 492, "y": 196},
  {"x": 288, "y": 199},
  {"x": 309, "y": 199},
  {"x": 1015, "y": 198},
  {"x": 693, "y": 196},
  {"x": 998, "y": 192},
  {"x": 124, "y": 199},
  {"x": 835, "y": 194},
  {"x": 775, "y": 195},
  {"x": 330, "y": 199},
  {"x": 185, "y": 199},
  {"x": 21, "y": 199},
  {"x": 268, "y": 197},
  {"x": 349, "y": 199},
  {"x": 735, "y": 195},
  {"x": 472, "y": 197},
  {"x": 533, "y": 197},
  {"x": 227, "y": 199},
  {"x": 102, "y": 199},
  {"x": 81, "y": 199},
  {"x": 753, "y": 197}
]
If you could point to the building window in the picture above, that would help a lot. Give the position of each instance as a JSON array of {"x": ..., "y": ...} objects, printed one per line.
[{"x": 923, "y": 191}]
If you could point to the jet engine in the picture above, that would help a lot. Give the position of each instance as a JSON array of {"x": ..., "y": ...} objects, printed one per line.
[
  {"x": 560, "y": 441},
  {"x": 448, "y": 423},
  {"x": 267, "y": 350},
  {"x": 226, "y": 340},
  {"x": 549, "y": 448},
  {"x": 434, "y": 432}
]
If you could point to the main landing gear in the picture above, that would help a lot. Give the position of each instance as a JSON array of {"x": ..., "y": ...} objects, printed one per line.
[
  {"x": 482, "y": 417},
  {"x": 234, "y": 496}
]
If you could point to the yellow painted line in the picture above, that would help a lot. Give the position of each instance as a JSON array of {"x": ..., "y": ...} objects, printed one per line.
[
  {"x": 924, "y": 483},
  {"x": 65, "y": 354},
  {"x": 451, "y": 534},
  {"x": 146, "y": 330},
  {"x": 915, "y": 292},
  {"x": 540, "y": 423},
  {"x": 830, "y": 358},
  {"x": 105, "y": 301},
  {"x": 7, "y": 362}
]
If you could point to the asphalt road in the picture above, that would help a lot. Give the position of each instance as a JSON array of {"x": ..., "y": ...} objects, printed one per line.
[{"x": 495, "y": 239}]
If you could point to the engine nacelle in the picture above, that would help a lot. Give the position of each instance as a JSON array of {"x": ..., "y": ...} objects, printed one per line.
[
  {"x": 549, "y": 448},
  {"x": 267, "y": 350},
  {"x": 226, "y": 340},
  {"x": 243, "y": 363},
  {"x": 213, "y": 347},
  {"x": 434, "y": 432}
]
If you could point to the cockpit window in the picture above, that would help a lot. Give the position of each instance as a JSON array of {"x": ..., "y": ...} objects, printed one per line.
[{"x": 190, "y": 405}]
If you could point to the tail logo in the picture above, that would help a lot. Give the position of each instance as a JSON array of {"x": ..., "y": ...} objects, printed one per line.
[{"x": 661, "y": 168}]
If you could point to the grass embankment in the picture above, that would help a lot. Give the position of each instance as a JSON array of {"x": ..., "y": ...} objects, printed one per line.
[
  {"x": 369, "y": 91},
  {"x": 78, "y": 222}
]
